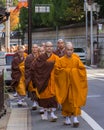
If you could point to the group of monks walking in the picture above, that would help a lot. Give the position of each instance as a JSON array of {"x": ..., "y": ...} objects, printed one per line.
[{"x": 53, "y": 78}]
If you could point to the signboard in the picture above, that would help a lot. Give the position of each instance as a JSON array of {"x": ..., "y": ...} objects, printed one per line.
[{"x": 41, "y": 8}]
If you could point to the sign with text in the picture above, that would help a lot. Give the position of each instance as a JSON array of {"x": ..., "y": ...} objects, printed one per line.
[{"x": 42, "y": 8}]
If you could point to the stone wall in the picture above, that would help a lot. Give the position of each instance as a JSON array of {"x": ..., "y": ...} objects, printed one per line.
[{"x": 77, "y": 35}]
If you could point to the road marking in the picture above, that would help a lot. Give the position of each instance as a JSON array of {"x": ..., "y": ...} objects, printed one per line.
[
  {"x": 90, "y": 96},
  {"x": 94, "y": 125},
  {"x": 96, "y": 76}
]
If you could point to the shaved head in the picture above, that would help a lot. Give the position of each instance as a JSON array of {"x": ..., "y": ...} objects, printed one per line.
[
  {"x": 49, "y": 47},
  {"x": 49, "y": 43},
  {"x": 34, "y": 45},
  {"x": 69, "y": 44},
  {"x": 69, "y": 49}
]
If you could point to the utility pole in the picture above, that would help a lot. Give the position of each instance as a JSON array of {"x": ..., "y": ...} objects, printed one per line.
[
  {"x": 86, "y": 19},
  {"x": 97, "y": 14},
  {"x": 29, "y": 26},
  {"x": 90, "y": 3},
  {"x": 7, "y": 28},
  {"x": 91, "y": 26}
]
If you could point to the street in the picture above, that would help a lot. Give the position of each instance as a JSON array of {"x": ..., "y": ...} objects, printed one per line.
[
  {"x": 95, "y": 99},
  {"x": 92, "y": 117}
]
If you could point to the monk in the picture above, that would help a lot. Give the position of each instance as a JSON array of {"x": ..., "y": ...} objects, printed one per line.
[
  {"x": 18, "y": 78},
  {"x": 60, "y": 50},
  {"x": 30, "y": 58},
  {"x": 71, "y": 85},
  {"x": 41, "y": 50},
  {"x": 42, "y": 72},
  {"x": 16, "y": 54}
]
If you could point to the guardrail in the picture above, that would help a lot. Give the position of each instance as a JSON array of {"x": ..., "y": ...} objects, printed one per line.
[{"x": 2, "y": 107}]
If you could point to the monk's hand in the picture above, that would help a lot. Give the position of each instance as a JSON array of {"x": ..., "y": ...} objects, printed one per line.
[{"x": 52, "y": 61}]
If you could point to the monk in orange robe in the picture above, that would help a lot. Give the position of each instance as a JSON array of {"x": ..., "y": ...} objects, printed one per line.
[
  {"x": 71, "y": 85},
  {"x": 18, "y": 71},
  {"x": 42, "y": 72}
]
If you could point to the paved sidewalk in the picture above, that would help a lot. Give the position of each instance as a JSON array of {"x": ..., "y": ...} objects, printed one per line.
[{"x": 23, "y": 118}]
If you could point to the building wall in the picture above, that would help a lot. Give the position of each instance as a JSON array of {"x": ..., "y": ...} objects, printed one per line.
[{"x": 77, "y": 35}]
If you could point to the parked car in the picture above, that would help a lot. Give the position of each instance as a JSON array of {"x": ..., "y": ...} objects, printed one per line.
[
  {"x": 7, "y": 68},
  {"x": 15, "y": 34},
  {"x": 82, "y": 54},
  {"x": 2, "y": 60}
]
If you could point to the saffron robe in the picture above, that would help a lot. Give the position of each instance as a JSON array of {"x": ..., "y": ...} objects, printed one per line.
[
  {"x": 71, "y": 83},
  {"x": 21, "y": 89}
]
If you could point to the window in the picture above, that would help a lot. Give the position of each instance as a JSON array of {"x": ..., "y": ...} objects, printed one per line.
[{"x": 9, "y": 58}]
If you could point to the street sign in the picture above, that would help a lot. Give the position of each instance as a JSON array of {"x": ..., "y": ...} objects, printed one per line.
[{"x": 42, "y": 8}]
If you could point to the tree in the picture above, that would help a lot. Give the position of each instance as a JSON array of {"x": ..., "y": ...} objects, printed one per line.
[
  {"x": 14, "y": 20},
  {"x": 2, "y": 3},
  {"x": 23, "y": 16},
  {"x": 101, "y": 3}
]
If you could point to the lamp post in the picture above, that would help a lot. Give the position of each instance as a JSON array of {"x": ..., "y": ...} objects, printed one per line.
[
  {"x": 91, "y": 34},
  {"x": 39, "y": 8},
  {"x": 86, "y": 19},
  {"x": 7, "y": 32},
  {"x": 90, "y": 8},
  {"x": 29, "y": 26},
  {"x": 97, "y": 11}
]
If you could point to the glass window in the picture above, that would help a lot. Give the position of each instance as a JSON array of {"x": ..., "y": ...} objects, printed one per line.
[
  {"x": 78, "y": 50},
  {"x": 9, "y": 59}
]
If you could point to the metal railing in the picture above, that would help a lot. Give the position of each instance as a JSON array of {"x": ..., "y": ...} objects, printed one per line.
[{"x": 2, "y": 108}]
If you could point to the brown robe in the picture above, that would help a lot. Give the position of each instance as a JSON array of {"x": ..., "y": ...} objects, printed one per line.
[
  {"x": 40, "y": 72},
  {"x": 43, "y": 80},
  {"x": 30, "y": 58},
  {"x": 29, "y": 86},
  {"x": 16, "y": 73},
  {"x": 59, "y": 52}
]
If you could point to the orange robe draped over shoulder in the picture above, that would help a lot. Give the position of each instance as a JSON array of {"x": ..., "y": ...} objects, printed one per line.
[
  {"x": 21, "y": 89},
  {"x": 71, "y": 81},
  {"x": 50, "y": 89}
]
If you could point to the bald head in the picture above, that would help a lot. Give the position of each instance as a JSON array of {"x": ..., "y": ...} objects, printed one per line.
[
  {"x": 69, "y": 49},
  {"x": 34, "y": 48},
  {"x": 34, "y": 45},
  {"x": 48, "y": 44},
  {"x": 49, "y": 47},
  {"x": 69, "y": 44},
  {"x": 60, "y": 44},
  {"x": 43, "y": 44},
  {"x": 41, "y": 50}
]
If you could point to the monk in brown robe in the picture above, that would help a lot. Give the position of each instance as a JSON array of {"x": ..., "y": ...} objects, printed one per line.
[
  {"x": 16, "y": 54},
  {"x": 30, "y": 58},
  {"x": 60, "y": 50},
  {"x": 18, "y": 78},
  {"x": 42, "y": 72},
  {"x": 71, "y": 85},
  {"x": 41, "y": 50}
]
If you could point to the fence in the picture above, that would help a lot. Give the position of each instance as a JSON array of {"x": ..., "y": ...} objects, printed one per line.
[{"x": 2, "y": 108}]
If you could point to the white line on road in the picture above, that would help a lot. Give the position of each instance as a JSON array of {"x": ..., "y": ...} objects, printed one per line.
[
  {"x": 91, "y": 77},
  {"x": 94, "y": 125},
  {"x": 90, "y": 96},
  {"x": 98, "y": 75}
]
